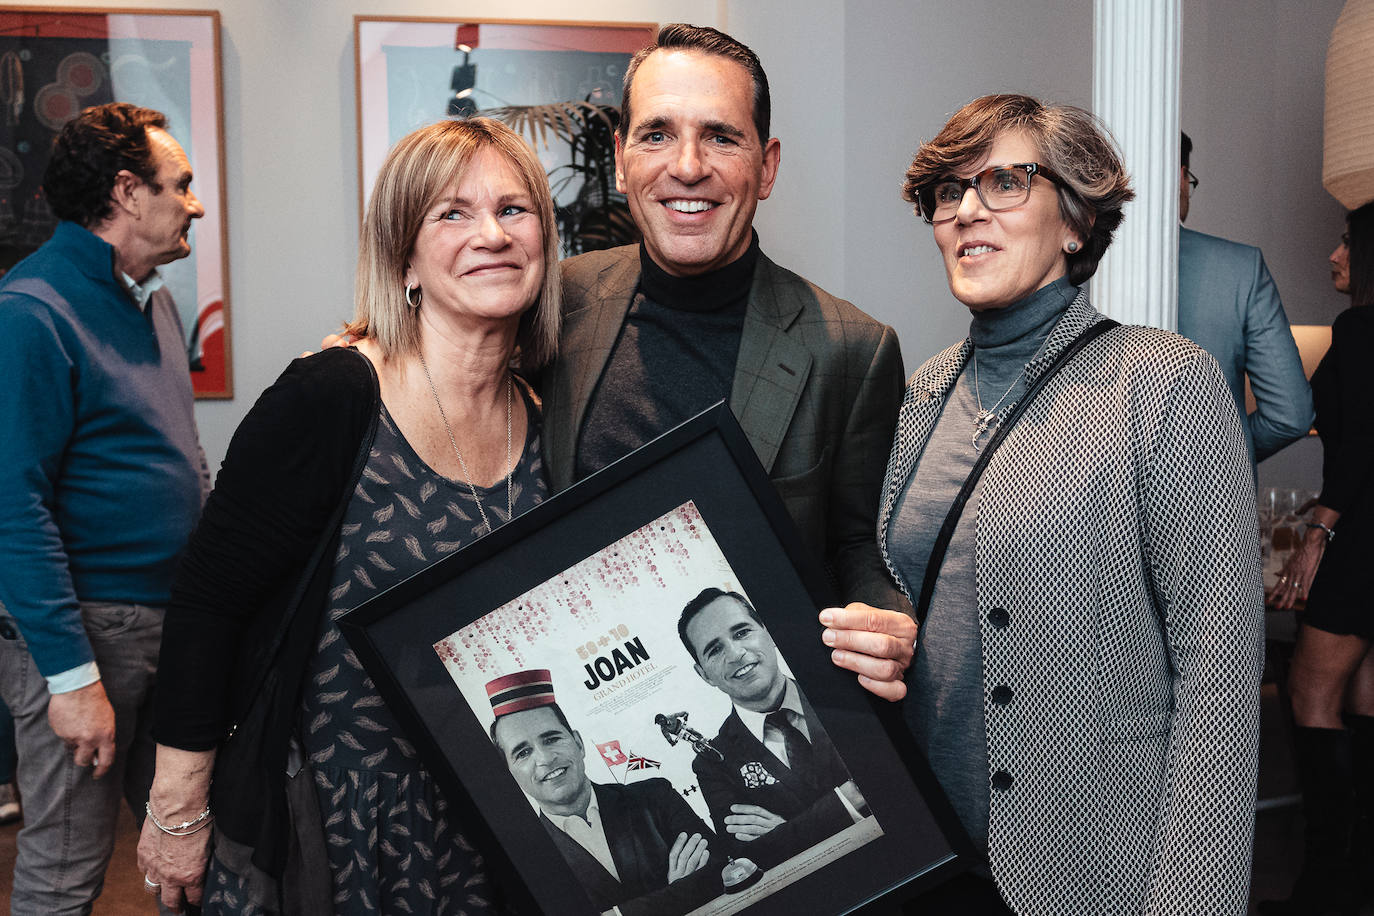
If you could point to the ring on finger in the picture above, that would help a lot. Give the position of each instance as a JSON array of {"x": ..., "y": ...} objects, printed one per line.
[{"x": 150, "y": 885}]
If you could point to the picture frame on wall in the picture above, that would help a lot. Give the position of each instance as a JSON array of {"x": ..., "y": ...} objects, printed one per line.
[
  {"x": 612, "y": 645},
  {"x": 57, "y": 61},
  {"x": 558, "y": 84}
]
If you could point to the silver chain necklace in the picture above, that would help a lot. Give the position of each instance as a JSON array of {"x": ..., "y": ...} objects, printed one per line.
[
  {"x": 510, "y": 467},
  {"x": 984, "y": 420}
]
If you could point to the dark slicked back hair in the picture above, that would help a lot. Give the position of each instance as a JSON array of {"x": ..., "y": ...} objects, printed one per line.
[
  {"x": 1359, "y": 225},
  {"x": 557, "y": 711},
  {"x": 1071, "y": 141},
  {"x": 679, "y": 36},
  {"x": 695, "y": 607},
  {"x": 90, "y": 150},
  {"x": 1185, "y": 149}
]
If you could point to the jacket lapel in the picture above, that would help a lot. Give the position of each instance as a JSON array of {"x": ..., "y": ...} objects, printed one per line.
[
  {"x": 600, "y": 884},
  {"x": 1079, "y": 315},
  {"x": 921, "y": 405},
  {"x": 588, "y": 335},
  {"x": 772, "y": 367},
  {"x": 620, "y": 836},
  {"x": 925, "y": 398}
]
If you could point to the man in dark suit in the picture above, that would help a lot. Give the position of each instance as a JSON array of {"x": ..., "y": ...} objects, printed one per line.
[
  {"x": 657, "y": 332},
  {"x": 777, "y": 786},
  {"x": 639, "y": 847}
]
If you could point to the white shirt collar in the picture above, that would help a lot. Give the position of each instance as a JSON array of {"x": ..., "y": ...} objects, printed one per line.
[
  {"x": 791, "y": 701},
  {"x": 142, "y": 292},
  {"x": 588, "y": 832}
]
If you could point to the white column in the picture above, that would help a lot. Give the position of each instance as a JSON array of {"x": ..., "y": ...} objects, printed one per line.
[{"x": 1135, "y": 91}]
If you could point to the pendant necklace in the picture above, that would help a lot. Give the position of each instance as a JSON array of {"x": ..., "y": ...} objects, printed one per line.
[
  {"x": 510, "y": 467},
  {"x": 984, "y": 420}
]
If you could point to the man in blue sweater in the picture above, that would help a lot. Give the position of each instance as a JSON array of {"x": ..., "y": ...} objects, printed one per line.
[{"x": 101, "y": 482}]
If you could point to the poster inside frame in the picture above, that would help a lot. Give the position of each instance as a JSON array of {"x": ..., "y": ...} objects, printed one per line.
[
  {"x": 56, "y": 61},
  {"x": 656, "y": 603},
  {"x": 412, "y": 71}
]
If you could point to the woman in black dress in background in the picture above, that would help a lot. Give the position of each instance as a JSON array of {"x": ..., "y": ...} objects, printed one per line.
[{"x": 1333, "y": 668}]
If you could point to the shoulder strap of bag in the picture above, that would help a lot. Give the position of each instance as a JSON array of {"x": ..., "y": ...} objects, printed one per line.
[{"x": 937, "y": 553}]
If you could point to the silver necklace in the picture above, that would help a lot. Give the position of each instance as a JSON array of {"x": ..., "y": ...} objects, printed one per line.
[
  {"x": 510, "y": 467},
  {"x": 984, "y": 420}
]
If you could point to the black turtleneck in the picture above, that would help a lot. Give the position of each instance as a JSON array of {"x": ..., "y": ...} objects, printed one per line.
[{"x": 675, "y": 357}]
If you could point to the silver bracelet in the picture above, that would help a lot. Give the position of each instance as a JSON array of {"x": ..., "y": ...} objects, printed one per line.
[
  {"x": 186, "y": 828},
  {"x": 1330, "y": 532}
]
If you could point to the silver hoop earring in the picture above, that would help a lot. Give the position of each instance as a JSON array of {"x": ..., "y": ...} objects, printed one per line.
[
  {"x": 1071, "y": 247},
  {"x": 413, "y": 304}
]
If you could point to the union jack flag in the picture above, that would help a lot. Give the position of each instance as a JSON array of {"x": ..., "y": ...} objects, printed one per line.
[{"x": 639, "y": 762}]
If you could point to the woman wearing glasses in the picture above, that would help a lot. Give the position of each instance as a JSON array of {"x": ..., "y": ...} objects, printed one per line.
[
  {"x": 1333, "y": 667},
  {"x": 1085, "y": 681}
]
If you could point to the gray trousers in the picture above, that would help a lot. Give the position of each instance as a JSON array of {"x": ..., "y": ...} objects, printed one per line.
[{"x": 69, "y": 818}]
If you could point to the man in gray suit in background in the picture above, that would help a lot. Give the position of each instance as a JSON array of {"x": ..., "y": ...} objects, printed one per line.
[
  {"x": 657, "y": 332},
  {"x": 1228, "y": 305}
]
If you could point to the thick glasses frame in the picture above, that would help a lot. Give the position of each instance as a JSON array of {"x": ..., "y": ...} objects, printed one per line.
[{"x": 925, "y": 196}]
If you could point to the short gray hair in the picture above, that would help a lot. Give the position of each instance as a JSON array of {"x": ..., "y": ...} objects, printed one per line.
[{"x": 1073, "y": 142}]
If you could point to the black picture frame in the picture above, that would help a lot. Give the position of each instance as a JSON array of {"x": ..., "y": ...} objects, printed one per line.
[{"x": 704, "y": 466}]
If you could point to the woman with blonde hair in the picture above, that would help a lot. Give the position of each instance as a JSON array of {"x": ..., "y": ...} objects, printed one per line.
[{"x": 356, "y": 469}]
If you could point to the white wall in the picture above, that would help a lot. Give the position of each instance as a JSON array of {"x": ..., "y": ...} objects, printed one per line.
[
  {"x": 908, "y": 67},
  {"x": 1253, "y": 78},
  {"x": 857, "y": 84},
  {"x": 856, "y": 87},
  {"x": 291, "y": 167}
]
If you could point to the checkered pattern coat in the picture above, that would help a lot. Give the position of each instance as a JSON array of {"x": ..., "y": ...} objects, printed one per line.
[
  {"x": 1119, "y": 599},
  {"x": 816, "y": 389}
]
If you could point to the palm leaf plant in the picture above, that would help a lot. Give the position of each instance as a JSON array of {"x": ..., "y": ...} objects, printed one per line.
[{"x": 596, "y": 216}]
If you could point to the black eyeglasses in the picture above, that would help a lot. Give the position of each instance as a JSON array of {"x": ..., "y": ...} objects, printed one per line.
[
  {"x": 1192, "y": 179},
  {"x": 1000, "y": 187}
]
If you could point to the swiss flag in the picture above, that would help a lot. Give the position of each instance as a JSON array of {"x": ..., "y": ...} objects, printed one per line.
[{"x": 611, "y": 753}]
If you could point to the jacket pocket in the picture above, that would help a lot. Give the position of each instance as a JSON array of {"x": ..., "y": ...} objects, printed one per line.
[
  {"x": 108, "y": 618},
  {"x": 806, "y": 483},
  {"x": 1149, "y": 726}
]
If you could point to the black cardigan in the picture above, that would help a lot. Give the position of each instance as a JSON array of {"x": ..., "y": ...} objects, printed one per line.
[{"x": 234, "y": 647}]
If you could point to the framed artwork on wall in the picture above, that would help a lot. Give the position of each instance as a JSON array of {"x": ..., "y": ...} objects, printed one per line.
[
  {"x": 55, "y": 62},
  {"x": 556, "y": 83},
  {"x": 616, "y": 646}
]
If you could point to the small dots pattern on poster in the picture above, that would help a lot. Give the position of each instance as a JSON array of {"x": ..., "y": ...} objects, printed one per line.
[{"x": 514, "y": 635}]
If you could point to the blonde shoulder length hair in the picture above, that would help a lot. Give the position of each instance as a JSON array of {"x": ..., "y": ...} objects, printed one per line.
[{"x": 416, "y": 173}]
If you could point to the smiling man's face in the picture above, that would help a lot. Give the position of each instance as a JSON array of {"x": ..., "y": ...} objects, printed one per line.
[
  {"x": 692, "y": 164},
  {"x": 546, "y": 759},
  {"x": 736, "y": 655}
]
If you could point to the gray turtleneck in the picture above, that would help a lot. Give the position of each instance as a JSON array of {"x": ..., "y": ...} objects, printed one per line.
[{"x": 945, "y": 706}]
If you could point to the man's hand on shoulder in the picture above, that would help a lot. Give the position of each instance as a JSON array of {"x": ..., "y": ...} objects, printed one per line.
[
  {"x": 687, "y": 856},
  {"x": 330, "y": 341},
  {"x": 875, "y": 644},
  {"x": 85, "y": 721}
]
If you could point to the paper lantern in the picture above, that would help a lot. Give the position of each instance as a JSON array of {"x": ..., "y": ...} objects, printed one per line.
[{"x": 1348, "y": 154}]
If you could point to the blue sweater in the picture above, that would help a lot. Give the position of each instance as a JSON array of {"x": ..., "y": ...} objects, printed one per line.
[{"x": 101, "y": 472}]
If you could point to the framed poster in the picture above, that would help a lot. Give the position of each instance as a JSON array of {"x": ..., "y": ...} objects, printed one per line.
[
  {"x": 558, "y": 84},
  {"x": 646, "y": 645},
  {"x": 56, "y": 61}
]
